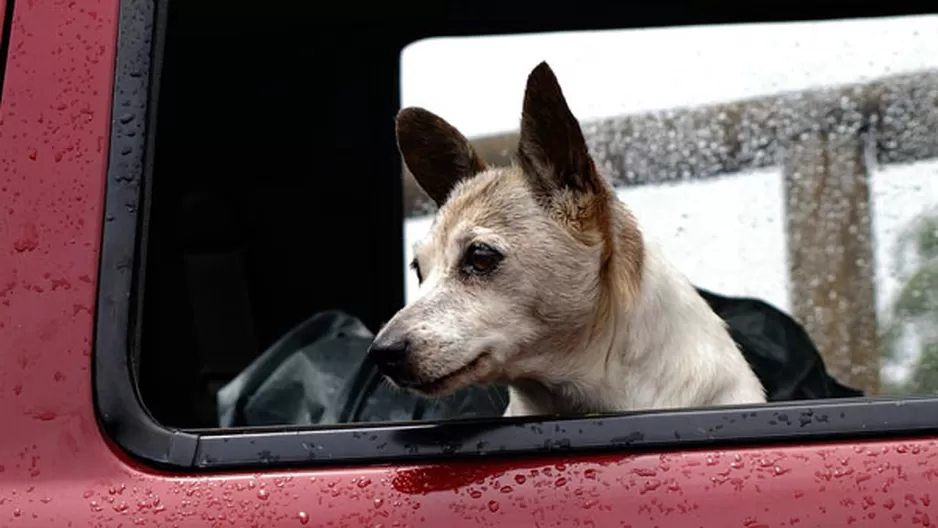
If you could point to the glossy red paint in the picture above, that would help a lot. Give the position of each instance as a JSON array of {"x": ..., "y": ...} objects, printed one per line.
[{"x": 56, "y": 468}]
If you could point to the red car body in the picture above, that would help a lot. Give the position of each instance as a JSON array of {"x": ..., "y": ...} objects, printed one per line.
[{"x": 58, "y": 468}]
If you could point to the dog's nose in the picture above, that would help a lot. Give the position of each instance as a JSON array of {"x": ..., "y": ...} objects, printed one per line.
[{"x": 390, "y": 355}]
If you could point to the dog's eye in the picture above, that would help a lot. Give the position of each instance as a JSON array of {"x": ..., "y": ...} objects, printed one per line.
[
  {"x": 414, "y": 265},
  {"x": 480, "y": 258}
]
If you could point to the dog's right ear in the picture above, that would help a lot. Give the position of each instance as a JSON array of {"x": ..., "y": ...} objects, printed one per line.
[
  {"x": 552, "y": 149},
  {"x": 437, "y": 154}
]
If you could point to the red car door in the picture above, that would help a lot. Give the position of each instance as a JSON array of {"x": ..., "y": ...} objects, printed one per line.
[{"x": 78, "y": 450}]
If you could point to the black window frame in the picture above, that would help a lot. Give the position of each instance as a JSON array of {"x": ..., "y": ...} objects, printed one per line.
[
  {"x": 125, "y": 420},
  {"x": 6, "y": 32}
]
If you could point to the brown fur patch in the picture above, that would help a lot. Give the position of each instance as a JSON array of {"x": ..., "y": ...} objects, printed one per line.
[{"x": 553, "y": 152}]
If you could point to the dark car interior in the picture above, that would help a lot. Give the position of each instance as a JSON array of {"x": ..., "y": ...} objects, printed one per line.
[
  {"x": 274, "y": 185},
  {"x": 277, "y": 186}
]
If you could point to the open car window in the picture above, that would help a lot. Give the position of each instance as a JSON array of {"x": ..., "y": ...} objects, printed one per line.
[{"x": 240, "y": 289}]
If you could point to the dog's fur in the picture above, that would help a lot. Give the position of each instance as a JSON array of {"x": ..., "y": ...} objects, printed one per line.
[{"x": 580, "y": 313}]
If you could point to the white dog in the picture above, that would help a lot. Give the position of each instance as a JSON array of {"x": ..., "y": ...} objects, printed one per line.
[{"x": 538, "y": 276}]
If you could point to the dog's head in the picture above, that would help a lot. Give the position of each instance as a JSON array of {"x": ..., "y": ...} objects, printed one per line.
[{"x": 519, "y": 262}]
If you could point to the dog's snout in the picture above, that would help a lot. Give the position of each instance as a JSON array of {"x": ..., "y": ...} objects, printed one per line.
[{"x": 390, "y": 354}]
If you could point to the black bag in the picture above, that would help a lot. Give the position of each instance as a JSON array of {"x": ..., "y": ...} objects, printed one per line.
[{"x": 320, "y": 374}]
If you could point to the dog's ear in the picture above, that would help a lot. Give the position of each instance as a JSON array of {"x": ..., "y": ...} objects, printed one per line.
[
  {"x": 552, "y": 150},
  {"x": 437, "y": 154}
]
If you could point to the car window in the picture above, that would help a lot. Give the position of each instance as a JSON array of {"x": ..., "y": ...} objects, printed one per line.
[{"x": 785, "y": 168}]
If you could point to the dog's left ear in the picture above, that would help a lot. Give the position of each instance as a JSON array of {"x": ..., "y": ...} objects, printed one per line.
[
  {"x": 437, "y": 154},
  {"x": 552, "y": 149}
]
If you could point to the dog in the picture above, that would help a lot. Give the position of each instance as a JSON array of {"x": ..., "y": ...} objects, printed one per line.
[{"x": 537, "y": 276}]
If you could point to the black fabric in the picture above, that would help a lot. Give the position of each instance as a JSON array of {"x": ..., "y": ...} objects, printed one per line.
[
  {"x": 778, "y": 349},
  {"x": 320, "y": 373}
]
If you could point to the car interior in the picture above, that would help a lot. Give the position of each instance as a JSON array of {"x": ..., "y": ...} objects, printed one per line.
[{"x": 258, "y": 158}]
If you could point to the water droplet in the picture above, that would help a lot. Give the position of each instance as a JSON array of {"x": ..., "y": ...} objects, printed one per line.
[
  {"x": 262, "y": 494},
  {"x": 475, "y": 494},
  {"x": 379, "y": 502},
  {"x": 520, "y": 479},
  {"x": 561, "y": 482},
  {"x": 493, "y": 506},
  {"x": 506, "y": 489},
  {"x": 364, "y": 483},
  {"x": 304, "y": 517}
]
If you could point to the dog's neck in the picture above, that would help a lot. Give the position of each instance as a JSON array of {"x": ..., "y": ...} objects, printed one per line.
[{"x": 663, "y": 348}]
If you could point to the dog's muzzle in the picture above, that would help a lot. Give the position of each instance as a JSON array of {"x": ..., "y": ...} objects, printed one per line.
[{"x": 392, "y": 357}]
